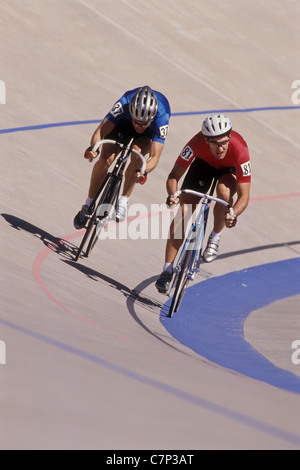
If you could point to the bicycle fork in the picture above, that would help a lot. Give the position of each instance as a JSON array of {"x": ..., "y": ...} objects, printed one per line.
[
  {"x": 196, "y": 240},
  {"x": 105, "y": 210}
]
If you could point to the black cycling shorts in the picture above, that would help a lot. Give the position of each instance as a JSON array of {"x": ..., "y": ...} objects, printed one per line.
[
  {"x": 200, "y": 175},
  {"x": 124, "y": 131}
]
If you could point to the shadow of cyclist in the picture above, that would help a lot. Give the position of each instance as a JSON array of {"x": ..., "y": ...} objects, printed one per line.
[
  {"x": 66, "y": 250},
  {"x": 56, "y": 244}
]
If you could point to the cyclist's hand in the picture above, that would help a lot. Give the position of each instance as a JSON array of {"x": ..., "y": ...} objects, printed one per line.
[
  {"x": 141, "y": 178},
  {"x": 89, "y": 155},
  {"x": 171, "y": 200},
  {"x": 230, "y": 220}
]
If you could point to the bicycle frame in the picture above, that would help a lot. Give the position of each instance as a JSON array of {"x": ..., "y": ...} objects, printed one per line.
[
  {"x": 191, "y": 253},
  {"x": 119, "y": 165},
  {"x": 194, "y": 239},
  {"x": 99, "y": 213}
]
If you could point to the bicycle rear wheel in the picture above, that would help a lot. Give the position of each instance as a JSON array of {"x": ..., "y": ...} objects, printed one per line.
[{"x": 181, "y": 282}]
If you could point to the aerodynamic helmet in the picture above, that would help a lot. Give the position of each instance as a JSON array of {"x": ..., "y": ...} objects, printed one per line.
[
  {"x": 143, "y": 105},
  {"x": 216, "y": 126}
]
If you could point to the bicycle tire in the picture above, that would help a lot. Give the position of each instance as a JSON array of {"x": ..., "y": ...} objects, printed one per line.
[
  {"x": 183, "y": 288},
  {"x": 91, "y": 224},
  {"x": 181, "y": 283},
  {"x": 113, "y": 189},
  {"x": 84, "y": 239}
]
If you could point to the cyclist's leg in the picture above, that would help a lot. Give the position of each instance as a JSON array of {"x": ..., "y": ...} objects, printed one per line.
[
  {"x": 108, "y": 154},
  {"x": 226, "y": 189},
  {"x": 120, "y": 133},
  {"x": 198, "y": 178},
  {"x": 176, "y": 236},
  {"x": 188, "y": 204},
  {"x": 100, "y": 169},
  {"x": 142, "y": 144}
]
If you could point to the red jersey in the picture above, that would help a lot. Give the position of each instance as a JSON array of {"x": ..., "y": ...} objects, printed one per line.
[{"x": 237, "y": 155}]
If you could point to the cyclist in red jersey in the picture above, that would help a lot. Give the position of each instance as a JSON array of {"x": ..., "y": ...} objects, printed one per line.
[{"x": 215, "y": 152}]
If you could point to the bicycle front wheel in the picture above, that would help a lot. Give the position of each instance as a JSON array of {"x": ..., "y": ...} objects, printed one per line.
[
  {"x": 103, "y": 214},
  {"x": 181, "y": 282},
  {"x": 88, "y": 231}
]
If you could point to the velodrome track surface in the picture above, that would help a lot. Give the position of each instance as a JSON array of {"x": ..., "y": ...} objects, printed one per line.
[{"x": 91, "y": 360}]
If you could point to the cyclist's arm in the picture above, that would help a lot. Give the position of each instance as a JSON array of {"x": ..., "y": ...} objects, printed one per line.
[
  {"x": 155, "y": 153},
  {"x": 156, "y": 149},
  {"x": 172, "y": 182},
  {"x": 243, "y": 194},
  {"x": 104, "y": 128}
]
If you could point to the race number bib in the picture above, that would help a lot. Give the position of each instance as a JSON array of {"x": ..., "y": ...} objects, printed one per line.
[
  {"x": 187, "y": 153},
  {"x": 117, "y": 109},
  {"x": 163, "y": 131},
  {"x": 246, "y": 169}
]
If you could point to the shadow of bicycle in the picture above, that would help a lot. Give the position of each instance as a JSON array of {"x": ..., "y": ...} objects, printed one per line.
[
  {"x": 58, "y": 245},
  {"x": 132, "y": 295},
  {"x": 67, "y": 250}
]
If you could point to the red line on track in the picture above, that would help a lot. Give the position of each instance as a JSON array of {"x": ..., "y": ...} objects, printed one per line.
[
  {"x": 37, "y": 272},
  {"x": 276, "y": 196}
]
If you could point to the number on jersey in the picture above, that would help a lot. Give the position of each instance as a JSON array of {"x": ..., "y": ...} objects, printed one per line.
[
  {"x": 117, "y": 109},
  {"x": 246, "y": 169},
  {"x": 187, "y": 153}
]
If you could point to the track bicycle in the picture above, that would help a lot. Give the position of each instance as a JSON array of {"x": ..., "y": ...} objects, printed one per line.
[
  {"x": 189, "y": 259},
  {"x": 102, "y": 208}
]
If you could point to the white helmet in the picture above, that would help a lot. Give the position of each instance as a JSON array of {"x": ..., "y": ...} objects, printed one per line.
[
  {"x": 216, "y": 125},
  {"x": 143, "y": 105}
]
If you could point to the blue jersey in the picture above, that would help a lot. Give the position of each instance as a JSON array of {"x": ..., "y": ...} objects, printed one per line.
[{"x": 158, "y": 127}]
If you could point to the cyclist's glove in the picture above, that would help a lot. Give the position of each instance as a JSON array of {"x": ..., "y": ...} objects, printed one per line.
[
  {"x": 172, "y": 196},
  {"x": 235, "y": 218},
  {"x": 89, "y": 149},
  {"x": 143, "y": 181}
]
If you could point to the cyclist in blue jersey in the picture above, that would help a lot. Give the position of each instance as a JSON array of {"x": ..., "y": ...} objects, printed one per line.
[{"x": 142, "y": 114}]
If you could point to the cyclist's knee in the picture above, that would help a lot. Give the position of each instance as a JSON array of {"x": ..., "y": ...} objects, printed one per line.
[
  {"x": 142, "y": 145},
  {"x": 226, "y": 188},
  {"x": 224, "y": 193},
  {"x": 135, "y": 160},
  {"x": 106, "y": 160}
]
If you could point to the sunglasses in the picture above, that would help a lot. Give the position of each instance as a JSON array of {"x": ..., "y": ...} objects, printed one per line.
[{"x": 219, "y": 144}]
